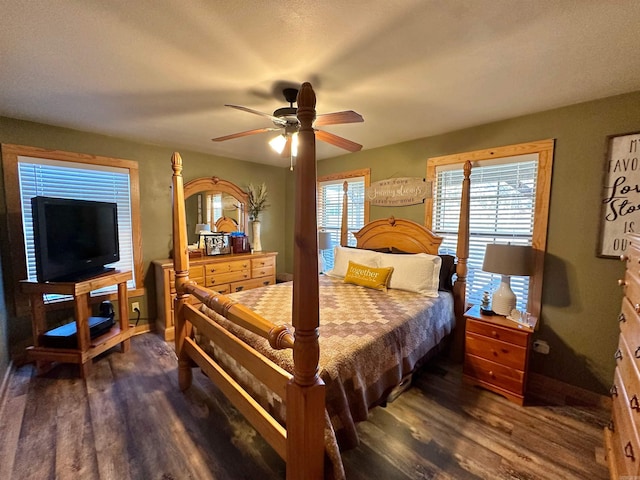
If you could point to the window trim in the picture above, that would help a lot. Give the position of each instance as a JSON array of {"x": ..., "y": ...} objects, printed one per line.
[
  {"x": 544, "y": 149},
  {"x": 363, "y": 172},
  {"x": 15, "y": 234}
]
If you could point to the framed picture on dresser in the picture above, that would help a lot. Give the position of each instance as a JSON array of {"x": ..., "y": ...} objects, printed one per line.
[{"x": 620, "y": 200}]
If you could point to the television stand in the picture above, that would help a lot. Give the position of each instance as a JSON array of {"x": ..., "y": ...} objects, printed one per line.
[{"x": 87, "y": 348}]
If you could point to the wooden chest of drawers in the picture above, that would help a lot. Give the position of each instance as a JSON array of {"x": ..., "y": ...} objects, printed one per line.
[
  {"x": 222, "y": 273},
  {"x": 496, "y": 354},
  {"x": 622, "y": 440}
]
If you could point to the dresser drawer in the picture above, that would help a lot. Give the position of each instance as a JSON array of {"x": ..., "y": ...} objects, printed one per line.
[
  {"x": 222, "y": 278},
  {"x": 625, "y": 432},
  {"x": 500, "y": 352},
  {"x": 196, "y": 273},
  {"x": 632, "y": 286},
  {"x": 498, "y": 333},
  {"x": 226, "y": 267},
  {"x": 629, "y": 376},
  {"x": 253, "y": 283},
  {"x": 501, "y": 376},
  {"x": 262, "y": 262},
  {"x": 630, "y": 328}
]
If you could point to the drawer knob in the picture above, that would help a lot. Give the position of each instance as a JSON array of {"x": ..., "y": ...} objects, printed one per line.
[
  {"x": 239, "y": 289},
  {"x": 622, "y": 282},
  {"x": 266, "y": 282},
  {"x": 633, "y": 403},
  {"x": 624, "y": 257},
  {"x": 621, "y": 317},
  {"x": 491, "y": 374},
  {"x": 494, "y": 333},
  {"x": 628, "y": 451},
  {"x": 636, "y": 307},
  {"x": 611, "y": 426},
  {"x": 618, "y": 355},
  {"x": 637, "y": 353},
  {"x": 613, "y": 391},
  {"x": 495, "y": 354}
]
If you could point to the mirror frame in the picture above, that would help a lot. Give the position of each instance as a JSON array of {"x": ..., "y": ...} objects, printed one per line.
[{"x": 206, "y": 184}]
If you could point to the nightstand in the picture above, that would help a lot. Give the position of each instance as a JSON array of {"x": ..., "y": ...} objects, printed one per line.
[{"x": 496, "y": 354}]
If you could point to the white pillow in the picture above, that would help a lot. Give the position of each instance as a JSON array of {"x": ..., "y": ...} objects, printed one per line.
[
  {"x": 342, "y": 255},
  {"x": 418, "y": 272}
]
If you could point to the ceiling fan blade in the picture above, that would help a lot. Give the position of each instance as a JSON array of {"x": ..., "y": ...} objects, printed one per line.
[
  {"x": 244, "y": 134},
  {"x": 338, "y": 141},
  {"x": 335, "y": 118},
  {"x": 277, "y": 120}
]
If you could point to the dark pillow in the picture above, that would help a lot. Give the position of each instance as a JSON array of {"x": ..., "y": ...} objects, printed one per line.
[{"x": 447, "y": 269}]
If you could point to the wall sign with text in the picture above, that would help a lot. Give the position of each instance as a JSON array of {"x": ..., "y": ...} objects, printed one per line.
[
  {"x": 398, "y": 192},
  {"x": 620, "y": 195}
]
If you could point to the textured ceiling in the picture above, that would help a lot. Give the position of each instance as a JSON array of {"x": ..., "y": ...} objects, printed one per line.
[{"x": 161, "y": 72}]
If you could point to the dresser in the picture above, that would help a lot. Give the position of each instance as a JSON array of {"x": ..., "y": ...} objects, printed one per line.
[
  {"x": 622, "y": 441},
  {"x": 221, "y": 273},
  {"x": 496, "y": 354}
]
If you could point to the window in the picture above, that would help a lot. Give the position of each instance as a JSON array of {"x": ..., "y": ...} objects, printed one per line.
[
  {"x": 30, "y": 171},
  {"x": 508, "y": 204},
  {"x": 53, "y": 178},
  {"x": 330, "y": 199}
]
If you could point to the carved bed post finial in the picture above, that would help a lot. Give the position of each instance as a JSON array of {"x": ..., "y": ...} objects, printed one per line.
[
  {"x": 344, "y": 225},
  {"x": 462, "y": 252},
  {"x": 305, "y": 393},
  {"x": 181, "y": 267}
]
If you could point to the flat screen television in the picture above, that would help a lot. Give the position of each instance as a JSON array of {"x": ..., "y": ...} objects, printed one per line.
[{"x": 74, "y": 239}]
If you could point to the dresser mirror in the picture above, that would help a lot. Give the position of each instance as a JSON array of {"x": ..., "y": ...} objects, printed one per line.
[{"x": 217, "y": 203}]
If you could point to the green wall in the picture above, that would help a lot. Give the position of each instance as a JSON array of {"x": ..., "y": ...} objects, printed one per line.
[
  {"x": 580, "y": 296},
  {"x": 155, "y": 201},
  {"x": 581, "y": 299}
]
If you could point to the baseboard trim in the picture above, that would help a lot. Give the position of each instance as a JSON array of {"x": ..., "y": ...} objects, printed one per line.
[{"x": 556, "y": 392}]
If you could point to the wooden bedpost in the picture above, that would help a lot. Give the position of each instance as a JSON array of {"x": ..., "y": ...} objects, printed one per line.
[
  {"x": 305, "y": 392},
  {"x": 181, "y": 267},
  {"x": 344, "y": 225},
  {"x": 462, "y": 252}
]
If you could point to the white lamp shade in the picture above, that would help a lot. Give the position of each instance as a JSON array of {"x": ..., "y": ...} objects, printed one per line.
[{"x": 202, "y": 227}]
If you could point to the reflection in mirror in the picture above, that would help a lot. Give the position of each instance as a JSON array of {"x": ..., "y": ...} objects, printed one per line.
[{"x": 214, "y": 204}]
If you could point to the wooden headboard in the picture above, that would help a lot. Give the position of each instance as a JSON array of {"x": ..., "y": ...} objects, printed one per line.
[{"x": 403, "y": 235}]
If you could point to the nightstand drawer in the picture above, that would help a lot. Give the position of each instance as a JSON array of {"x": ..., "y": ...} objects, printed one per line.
[
  {"x": 500, "y": 352},
  {"x": 493, "y": 373},
  {"x": 497, "y": 332}
]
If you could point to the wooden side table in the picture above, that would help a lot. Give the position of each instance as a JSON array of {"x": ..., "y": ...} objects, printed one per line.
[
  {"x": 87, "y": 347},
  {"x": 496, "y": 354}
]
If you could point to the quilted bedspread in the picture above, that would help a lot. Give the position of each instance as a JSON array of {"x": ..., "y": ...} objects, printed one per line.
[{"x": 369, "y": 340}]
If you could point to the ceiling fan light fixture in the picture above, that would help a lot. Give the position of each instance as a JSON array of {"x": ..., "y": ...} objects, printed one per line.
[
  {"x": 278, "y": 143},
  {"x": 294, "y": 145}
]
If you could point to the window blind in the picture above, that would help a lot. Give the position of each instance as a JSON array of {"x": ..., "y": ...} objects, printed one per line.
[
  {"x": 73, "y": 180},
  {"x": 330, "y": 194},
  {"x": 502, "y": 207}
]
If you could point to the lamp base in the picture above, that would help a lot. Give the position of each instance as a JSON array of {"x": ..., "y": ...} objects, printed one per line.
[{"x": 504, "y": 300}]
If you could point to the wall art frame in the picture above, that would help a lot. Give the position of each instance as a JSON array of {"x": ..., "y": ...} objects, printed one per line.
[{"x": 620, "y": 199}]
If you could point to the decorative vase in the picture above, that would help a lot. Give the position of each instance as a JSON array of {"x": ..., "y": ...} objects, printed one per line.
[{"x": 257, "y": 246}]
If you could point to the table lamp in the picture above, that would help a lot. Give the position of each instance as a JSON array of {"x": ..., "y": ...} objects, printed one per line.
[
  {"x": 324, "y": 243},
  {"x": 507, "y": 260}
]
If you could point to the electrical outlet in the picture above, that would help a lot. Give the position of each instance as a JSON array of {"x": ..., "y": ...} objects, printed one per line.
[
  {"x": 541, "y": 346},
  {"x": 135, "y": 306}
]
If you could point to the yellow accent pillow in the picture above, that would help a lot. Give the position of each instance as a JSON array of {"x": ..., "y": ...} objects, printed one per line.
[{"x": 370, "y": 277}]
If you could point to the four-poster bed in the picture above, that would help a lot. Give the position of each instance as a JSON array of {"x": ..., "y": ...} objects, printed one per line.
[{"x": 292, "y": 363}]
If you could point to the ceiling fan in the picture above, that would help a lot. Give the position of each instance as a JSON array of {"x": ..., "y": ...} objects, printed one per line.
[{"x": 285, "y": 120}]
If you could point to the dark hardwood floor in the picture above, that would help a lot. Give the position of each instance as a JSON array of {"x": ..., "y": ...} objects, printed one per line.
[{"x": 130, "y": 421}]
